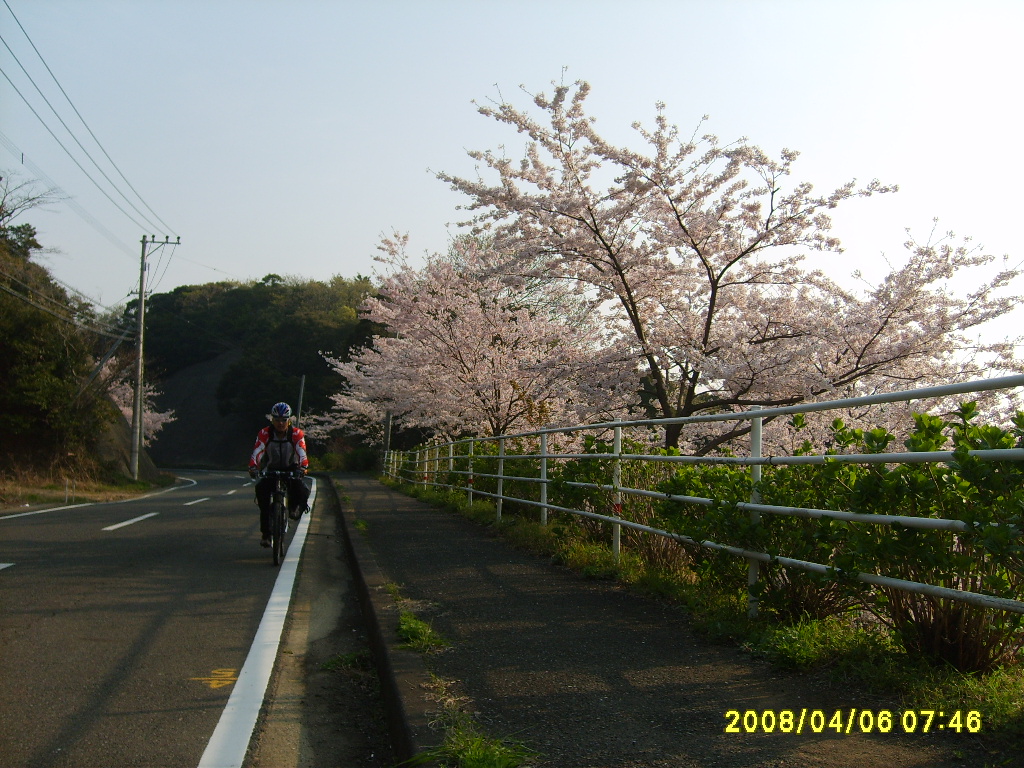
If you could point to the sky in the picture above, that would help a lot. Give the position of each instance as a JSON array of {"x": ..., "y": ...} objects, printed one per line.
[{"x": 289, "y": 136}]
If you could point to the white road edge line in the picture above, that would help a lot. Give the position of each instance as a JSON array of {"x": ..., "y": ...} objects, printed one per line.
[
  {"x": 190, "y": 503},
  {"x": 131, "y": 522},
  {"x": 49, "y": 509},
  {"x": 230, "y": 740}
]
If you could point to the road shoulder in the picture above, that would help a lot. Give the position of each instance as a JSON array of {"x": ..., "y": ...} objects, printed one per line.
[{"x": 323, "y": 705}]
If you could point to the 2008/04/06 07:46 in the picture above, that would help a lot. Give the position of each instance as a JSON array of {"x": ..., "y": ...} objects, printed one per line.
[{"x": 851, "y": 721}]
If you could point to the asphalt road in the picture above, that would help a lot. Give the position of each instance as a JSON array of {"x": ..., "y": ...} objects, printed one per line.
[{"x": 123, "y": 626}]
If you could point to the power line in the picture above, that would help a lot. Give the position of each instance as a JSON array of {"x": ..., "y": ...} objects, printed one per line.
[
  {"x": 94, "y": 325},
  {"x": 68, "y": 152},
  {"x": 213, "y": 269},
  {"x": 68, "y": 200},
  {"x": 166, "y": 265},
  {"x": 72, "y": 134},
  {"x": 162, "y": 266},
  {"x": 58, "y": 315},
  {"x": 89, "y": 298},
  {"x": 106, "y": 154}
]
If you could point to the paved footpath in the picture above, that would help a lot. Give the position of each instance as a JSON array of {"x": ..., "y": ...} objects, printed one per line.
[{"x": 584, "y": 672}]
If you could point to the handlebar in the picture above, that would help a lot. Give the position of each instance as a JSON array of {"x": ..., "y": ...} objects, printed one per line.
[{"x": 289, "y": 473}]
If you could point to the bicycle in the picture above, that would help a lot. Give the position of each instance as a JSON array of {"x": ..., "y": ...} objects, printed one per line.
[{"x": 279, "y": 510}]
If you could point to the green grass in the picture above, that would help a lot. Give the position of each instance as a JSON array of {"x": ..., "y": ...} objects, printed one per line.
[
  {"x": 347, "y": 661},
  {"x": 419, "y": 635},
  {"x": 465, "y": 744}
]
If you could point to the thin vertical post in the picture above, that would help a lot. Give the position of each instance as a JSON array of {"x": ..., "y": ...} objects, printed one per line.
[
  {"x": 616, "y": 492},
  {"x": 501, "y": 476},
  {"x": 387, "y": 432},
  {"x": 469, "y": 480},
  {"x": 754, "y": 566},
  {"x": 544, "y": 478},
  {"x": 298, "y": 410}
]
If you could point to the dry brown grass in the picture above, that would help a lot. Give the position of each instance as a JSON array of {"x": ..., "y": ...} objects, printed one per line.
[{"x": 22, "y": 488}]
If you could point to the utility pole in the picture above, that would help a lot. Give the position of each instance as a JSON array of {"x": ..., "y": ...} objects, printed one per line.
[
  {"x": 137, "y": 405},
  {"x": 298, "y": 411}
]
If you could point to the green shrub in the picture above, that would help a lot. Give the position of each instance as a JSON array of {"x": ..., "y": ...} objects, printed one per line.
[{"x": 986, "y": 558}]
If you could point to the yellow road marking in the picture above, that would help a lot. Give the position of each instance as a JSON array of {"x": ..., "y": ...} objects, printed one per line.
[{"x": 219, "y": 678}]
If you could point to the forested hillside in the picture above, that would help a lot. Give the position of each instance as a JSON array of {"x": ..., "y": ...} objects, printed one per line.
[
  {"x": 217, "y": 357},
  {"x": 53, "y": 406},
  {"x": 223, "y": 353}
]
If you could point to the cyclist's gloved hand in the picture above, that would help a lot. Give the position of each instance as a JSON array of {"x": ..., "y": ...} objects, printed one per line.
[{"x": 253, "y": 472}]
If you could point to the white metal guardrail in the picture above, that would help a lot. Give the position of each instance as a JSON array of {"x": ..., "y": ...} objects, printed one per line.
[{"x": 423, "y": 465}]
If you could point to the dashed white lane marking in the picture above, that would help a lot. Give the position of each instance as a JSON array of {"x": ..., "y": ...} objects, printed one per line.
[
  {"x": 5, "y": 565},
  {"x": 97, "y": 503},
  {"x": 205, "y": 498},
  {"x": 130, "y": 522},
  {"x": 231, "y": 492}
]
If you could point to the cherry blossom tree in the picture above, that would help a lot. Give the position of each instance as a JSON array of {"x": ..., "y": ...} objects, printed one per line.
[
  {"x": 122, "y": 392},
  {"x": 470, "y": 352},
  {"x": 694, "y": 250}
]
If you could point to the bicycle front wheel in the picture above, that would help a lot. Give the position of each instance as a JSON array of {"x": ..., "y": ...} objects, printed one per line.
[{"x": 278, "y": 527}]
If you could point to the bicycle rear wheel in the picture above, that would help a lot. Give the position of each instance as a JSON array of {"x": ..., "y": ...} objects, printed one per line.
[{"x": 278, "y": 528}]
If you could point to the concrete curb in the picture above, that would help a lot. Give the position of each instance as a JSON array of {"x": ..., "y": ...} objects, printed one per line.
[{"x": 403, "y": 674}]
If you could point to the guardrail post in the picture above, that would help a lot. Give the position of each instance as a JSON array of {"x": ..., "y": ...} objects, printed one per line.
[
  {"x": 544, "y": 478},
  {"x": 754, "y": 566},
  {"x": 501, "y": 475},
  {"x": 469, "y": 479},
  {"x": 616, "y": 492}
]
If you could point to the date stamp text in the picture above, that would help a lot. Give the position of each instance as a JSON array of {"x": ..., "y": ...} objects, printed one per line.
[{"x": 849, "y": 721}]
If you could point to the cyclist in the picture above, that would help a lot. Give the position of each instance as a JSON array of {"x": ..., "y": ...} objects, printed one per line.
[{"x": 280, "y": 446}]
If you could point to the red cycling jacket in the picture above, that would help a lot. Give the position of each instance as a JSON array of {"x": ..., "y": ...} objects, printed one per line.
[{"x": 276, "y": 453}]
